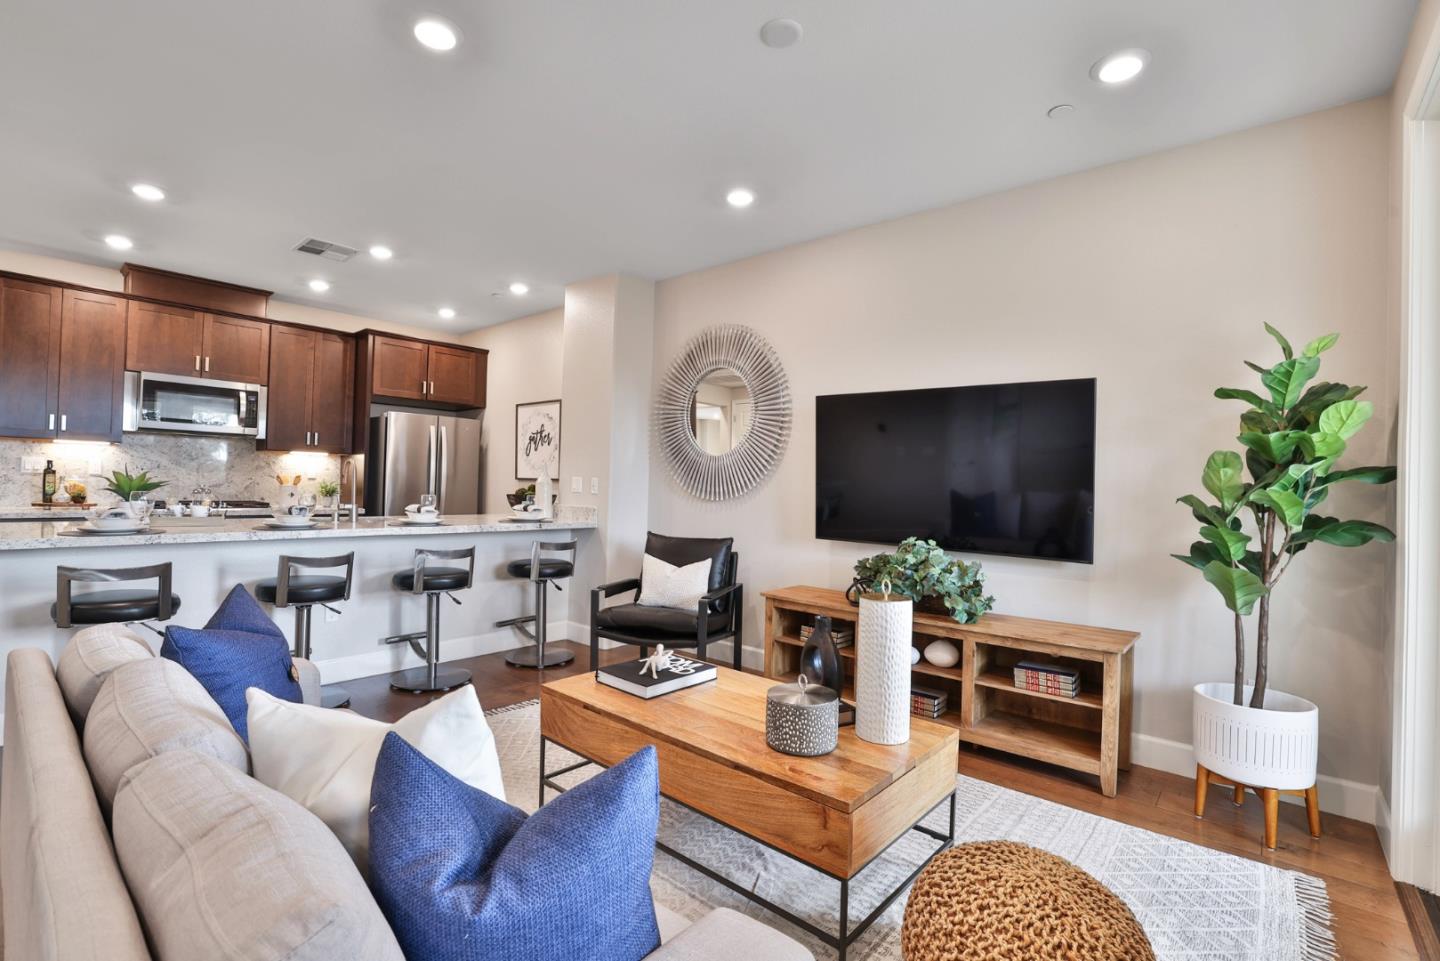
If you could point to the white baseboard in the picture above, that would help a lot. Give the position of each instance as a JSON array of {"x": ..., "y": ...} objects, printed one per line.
[
  {"x": 1382, "y": 824},
  {"x": 1349, "y": 799},
  {"x": 398, "y": 657}
]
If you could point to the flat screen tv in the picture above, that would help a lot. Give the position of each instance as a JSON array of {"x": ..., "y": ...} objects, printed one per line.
[{"x": 997, "y": 469}]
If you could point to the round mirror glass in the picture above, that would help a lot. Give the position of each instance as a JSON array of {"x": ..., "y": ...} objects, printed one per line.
[{"x": 720, "y": 411}]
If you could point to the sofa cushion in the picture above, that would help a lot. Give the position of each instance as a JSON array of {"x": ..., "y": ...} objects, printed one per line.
[
  {"x": 89, "y": 658},
  {"x": 463, "y": 876},
  {"x": 687, "y": 550},
  {"x": 145, "y": 709},
  {"x": 326, "y": 759},
  {"x": 663, "y": 584},
  {"x": 239, "y": 648},
  {"x": 220, "y": 866},
  {"x": 726, "y": 935}
]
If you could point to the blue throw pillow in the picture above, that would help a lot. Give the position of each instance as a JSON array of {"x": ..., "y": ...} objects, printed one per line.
[
  {"x": 238, "y": 647},
  {"x": 463, "y": 876}
]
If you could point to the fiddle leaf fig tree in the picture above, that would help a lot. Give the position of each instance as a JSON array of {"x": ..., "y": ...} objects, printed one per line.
[{"x": 1252, "y": 528}]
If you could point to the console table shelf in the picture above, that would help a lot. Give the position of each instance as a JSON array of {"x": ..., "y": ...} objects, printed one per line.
[{"x": 1089, "y": 732}]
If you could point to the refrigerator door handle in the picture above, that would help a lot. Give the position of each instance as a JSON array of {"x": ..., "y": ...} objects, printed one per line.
[
  {"x": 430, "y": 461},
  {"x": 440, "y": 471}
]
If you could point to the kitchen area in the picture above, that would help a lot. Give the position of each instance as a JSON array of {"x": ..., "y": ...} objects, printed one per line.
[{"x": 186, "y": 384}]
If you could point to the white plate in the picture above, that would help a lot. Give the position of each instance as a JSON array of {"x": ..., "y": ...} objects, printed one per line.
[
  {"x": 289, "y": 527},
  {"x": 86, "y": 528},
  {"x": 422, "y": 521}
]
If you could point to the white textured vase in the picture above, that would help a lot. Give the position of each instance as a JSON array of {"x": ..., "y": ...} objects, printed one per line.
[
  {"x": 1275, "y": 747},
  {"x": 882, "y": 669}
]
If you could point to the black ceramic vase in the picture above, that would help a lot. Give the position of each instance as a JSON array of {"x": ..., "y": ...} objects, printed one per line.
[{"x": 820, "y": 658}]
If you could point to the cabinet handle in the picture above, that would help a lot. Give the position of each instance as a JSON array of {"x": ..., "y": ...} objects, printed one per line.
[
  {"x": 63, "y": 418},
  {"x": 424, "y": 387},
  {"x": 307, "y": 438},
  {"x": 197, "y": 361},
  {"x": 52, "y": 422},
  {"x": 207, "y": 364},
  {"x": 316, "y": 442},
  {"x": 432, "y": 388}
]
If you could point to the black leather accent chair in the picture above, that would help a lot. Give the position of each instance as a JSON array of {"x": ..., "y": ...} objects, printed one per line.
[{"x": 718, "y": 616}]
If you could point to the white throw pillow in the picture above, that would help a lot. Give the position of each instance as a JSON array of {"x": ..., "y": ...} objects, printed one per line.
[
  {"x": 665, "y": 585},
  {"x": 325, "y": 759}
]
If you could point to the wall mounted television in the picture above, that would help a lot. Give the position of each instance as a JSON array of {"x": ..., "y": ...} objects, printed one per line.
[{"x": 996, "y": 469}]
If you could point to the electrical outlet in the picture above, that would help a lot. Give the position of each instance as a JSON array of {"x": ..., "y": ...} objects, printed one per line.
[
  {"x": 594, "y": 485},
  {"x": 36, "y": 465},
  {"x": 577, "y": 484}
]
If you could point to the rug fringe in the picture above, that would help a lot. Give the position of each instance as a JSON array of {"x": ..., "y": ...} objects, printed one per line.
[
  {"x": 1317, "y": 937},
  {"x": 512, "y": 707}
]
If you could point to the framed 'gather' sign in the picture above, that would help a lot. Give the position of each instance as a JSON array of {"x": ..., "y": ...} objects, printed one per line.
[{"x": 537, "y": 439}]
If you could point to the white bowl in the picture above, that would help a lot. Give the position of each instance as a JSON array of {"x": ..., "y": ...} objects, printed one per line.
[
  {"x": 114, "y": 522},
  {"x": 291, "y": 520},
  {"x": 422, "y": 517}
]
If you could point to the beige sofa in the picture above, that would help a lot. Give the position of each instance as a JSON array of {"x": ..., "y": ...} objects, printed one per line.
[{"x": 63, "y": 892}]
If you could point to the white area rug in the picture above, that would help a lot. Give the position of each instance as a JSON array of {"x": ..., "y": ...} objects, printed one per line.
[{"x": 1195, "y": 904}]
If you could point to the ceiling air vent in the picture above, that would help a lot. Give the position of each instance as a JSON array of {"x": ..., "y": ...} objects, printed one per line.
[{"x": 324, "y": 248}]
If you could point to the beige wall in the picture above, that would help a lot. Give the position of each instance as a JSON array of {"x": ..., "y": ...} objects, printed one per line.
[
  {"x": 525, "y": 366},
  {"x": 1153, "y": 276}
]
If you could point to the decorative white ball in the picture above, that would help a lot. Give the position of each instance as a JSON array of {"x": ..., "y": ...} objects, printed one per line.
[
  {"x": 914, "y": 655},
  {"x": 942, "y": 653}
]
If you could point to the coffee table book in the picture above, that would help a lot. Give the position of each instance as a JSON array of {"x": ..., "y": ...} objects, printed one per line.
[{"x": 630, "y": 677}]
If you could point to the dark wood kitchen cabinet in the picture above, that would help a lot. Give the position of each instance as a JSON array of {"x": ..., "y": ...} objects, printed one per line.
[
  {"x": 400, "y": 368},
  {"x": 310, "y": 393},
  {"x": 441, "y": 375},
  {"x": 457, "y": 376},
  {"x": 61, "y": 362},
  {"x": 177, "y": 340}
]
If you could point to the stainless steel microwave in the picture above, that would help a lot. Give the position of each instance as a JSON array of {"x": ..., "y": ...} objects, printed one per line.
[{"x": 193, "y": 405}]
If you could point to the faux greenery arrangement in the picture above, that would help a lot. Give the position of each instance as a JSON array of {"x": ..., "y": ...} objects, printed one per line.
[
  {"x": 920, "y": 570},
  {"x": 328, "y": 488},
  {"x": 1292, "y": 440},
  {"x": 123, "y": 484}
]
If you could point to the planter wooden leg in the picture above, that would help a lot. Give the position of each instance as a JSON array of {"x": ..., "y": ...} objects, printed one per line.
[
  {"x": 1312, "y": 808},
  {"x": 1272, "y": 815},
  {"x": 1202, "y": 782},
  {"x": 1239, "y": 796}
]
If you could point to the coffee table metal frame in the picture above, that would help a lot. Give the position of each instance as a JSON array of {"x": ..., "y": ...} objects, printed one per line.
[{"x": 839, "y": 940}]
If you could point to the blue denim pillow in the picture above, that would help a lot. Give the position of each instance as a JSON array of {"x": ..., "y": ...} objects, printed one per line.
[
  {"x": 238, "y": 647},
  {"x": 462, "y": 876}
]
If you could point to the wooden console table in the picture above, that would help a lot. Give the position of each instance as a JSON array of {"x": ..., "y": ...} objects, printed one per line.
[{"x": 1090, "y": 732}]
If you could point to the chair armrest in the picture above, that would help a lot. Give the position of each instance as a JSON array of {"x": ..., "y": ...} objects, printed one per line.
[
  {"x": 309, "y": 680},
  {"x": 723, "y": 935},
  {"x": 715, "y": 595},
  {"x": 616, "y": 587}
]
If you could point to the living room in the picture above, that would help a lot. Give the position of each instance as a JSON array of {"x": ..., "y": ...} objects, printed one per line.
[{"x": 1066, "y": 290}]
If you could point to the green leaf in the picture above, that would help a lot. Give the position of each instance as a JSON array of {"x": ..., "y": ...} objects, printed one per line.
[
  {"x": 1346, "y": 418},
  {"x": 1353, "y": 533},
  {"x": 1202, "y": 511},
  {"x": 1321, "y": 447},
  {"x": 1365, "y": 475},
  {"x": 1256, "y": 367},
  {"x": 1276, "y": 447},
  {"x": 1280, "y": 338},
  {"x": 1319, "y": 345},
  {"x": 1201, "y": 554},
  {"x": 1222, "y": 478},
  {"x": 1240, "y": 588},
  {"x": 1286, "y": 380},
  {"x": 1235, "y": 393},
  {"x": 1284, "y": 503},
  {"x": 1231, "y": 544}
]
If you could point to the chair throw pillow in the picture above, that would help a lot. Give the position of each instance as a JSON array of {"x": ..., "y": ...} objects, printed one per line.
[
  {"x": 238, "y": 648},
  {"x": 463, "y": 876},
  {"x": 662, "y": 584},
  {"x": 325, "y": 759}
]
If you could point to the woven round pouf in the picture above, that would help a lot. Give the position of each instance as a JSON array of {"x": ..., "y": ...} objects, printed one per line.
[{"x": 1001, "y": 901}]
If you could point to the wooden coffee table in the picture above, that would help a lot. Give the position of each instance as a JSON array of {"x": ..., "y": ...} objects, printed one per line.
[{"x": 835, "y": 813}]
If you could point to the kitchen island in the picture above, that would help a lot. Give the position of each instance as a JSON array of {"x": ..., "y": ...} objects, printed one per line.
[{"x": 212, "y": 555}]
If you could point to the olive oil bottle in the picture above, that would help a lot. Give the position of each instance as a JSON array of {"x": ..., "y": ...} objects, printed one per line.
[{"x": 47, "y": 483}]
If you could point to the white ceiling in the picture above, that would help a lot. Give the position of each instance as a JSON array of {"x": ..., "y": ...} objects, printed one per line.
[{"x": 569, "y": 138}]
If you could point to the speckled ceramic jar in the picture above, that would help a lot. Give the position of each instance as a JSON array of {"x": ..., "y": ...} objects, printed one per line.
[{"x": 802, "y": 719}]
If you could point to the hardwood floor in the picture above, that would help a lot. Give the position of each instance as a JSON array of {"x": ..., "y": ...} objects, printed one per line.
[{"x": 1370, "y": 921}]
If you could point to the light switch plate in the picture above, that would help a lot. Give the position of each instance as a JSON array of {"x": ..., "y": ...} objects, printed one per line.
[
  {"x": 577, "y": 485},
  {"x": 594, "y": 485},
  {"x": 36, "y": 465}
]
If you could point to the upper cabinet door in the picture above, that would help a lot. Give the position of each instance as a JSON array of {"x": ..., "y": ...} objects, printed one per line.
[
  {"x": 399, "y": 368},
  {"x": 165, "y": 340},
  {"x": 236, "y": 349},
  {"x": 292, "y": 365},
  {"x": 457, "y": 376},
  {"x": 332, "y": 394},
  {"x": 29, "y": 358},
  {"x": 92, "y": 366}
]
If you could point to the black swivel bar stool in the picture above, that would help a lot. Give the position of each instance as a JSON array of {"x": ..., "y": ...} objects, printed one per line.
[
  {"x": 432, "y": 581},
  {"x": 116, "y": 606},
  {"x": 542, "y": 572},
  {"x": 303, "y": 591}
]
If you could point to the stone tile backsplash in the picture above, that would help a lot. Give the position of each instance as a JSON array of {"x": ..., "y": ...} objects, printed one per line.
[{"x": 230, "y": 466}]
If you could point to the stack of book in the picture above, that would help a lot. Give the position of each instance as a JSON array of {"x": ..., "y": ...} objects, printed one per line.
[
  {"x": 843, "y": 636},
  {"x": 927, "y": 702},
  {"x": 1047, "y": 678}
]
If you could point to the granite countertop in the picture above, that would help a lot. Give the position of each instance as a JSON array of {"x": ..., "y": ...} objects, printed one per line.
[{"x": 21, "y": 536}]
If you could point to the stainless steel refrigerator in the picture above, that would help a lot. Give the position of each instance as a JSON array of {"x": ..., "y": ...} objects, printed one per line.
[{"x": 414, "y": 454}]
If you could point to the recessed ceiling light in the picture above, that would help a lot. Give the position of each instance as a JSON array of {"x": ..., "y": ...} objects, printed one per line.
[
  {"x": 1120, "y": 67},
  {"x": 319, "y": 286},
  {"x": 380, "y": 252},
  {"x": 446, "y": 313},
  {"x": 119, "y": 241},
  {"x": 740, "y": 197},
  {"x": 436, "y": 34},
  {"x": 147, "y": 192},
  {"x": 781, "y": 33},
  {"x": 519, "y": 288}
]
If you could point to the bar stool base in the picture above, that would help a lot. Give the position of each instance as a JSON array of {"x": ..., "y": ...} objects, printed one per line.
[
  {"x": 525, "y": 657},
  {"x": 334, "y": 697},
  {"x": 417, "y": 679}
]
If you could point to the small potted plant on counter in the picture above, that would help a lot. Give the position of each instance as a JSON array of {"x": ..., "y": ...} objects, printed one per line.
[
  {"x": 124, "y": 485},
  {"x": 1250, "y": 735},
  {"x": 329, "y": 494},
  {"x": 923, "y": 572}
]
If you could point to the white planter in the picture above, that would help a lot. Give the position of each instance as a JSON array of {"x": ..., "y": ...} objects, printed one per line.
[
  {"x": 1275, "y": 747},
  {"x": 882, "y": 669}
]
